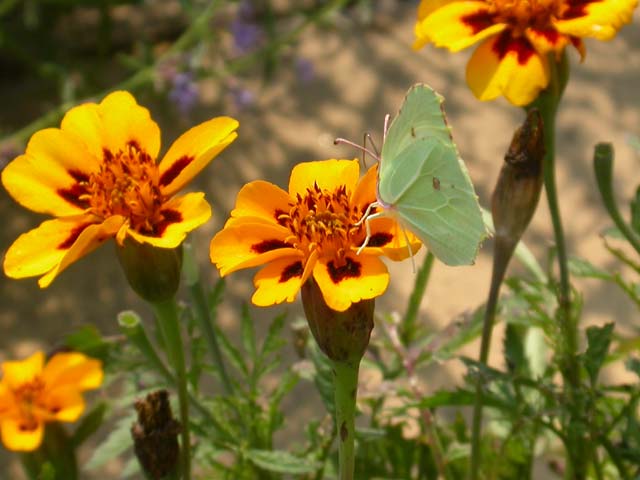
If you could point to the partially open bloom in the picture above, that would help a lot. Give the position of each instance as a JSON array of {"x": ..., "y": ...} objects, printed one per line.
[
  {"x": 32, "y": 394},
  {"x": 313, "y": 230},
  {"x": 516, "y": 36},
  {"x": 98, "y": 174}
]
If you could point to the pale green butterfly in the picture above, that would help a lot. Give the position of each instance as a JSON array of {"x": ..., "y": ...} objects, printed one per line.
[{"x": 424, "y": 184}]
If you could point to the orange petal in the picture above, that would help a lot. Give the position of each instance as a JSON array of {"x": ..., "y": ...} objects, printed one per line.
[
  {"x": 360, "y": 277},
  {"x": 249, "y": 244},
  {"x": 181, "y": 215},
  {"x": 507, "y": 66},
  {"x": 456, "y": 25},
  {"x": 18, "y": 372},
  {"x": 73, "y": 369},
  {"x": 599, "y": 19},
  {"x": 278, "y": 282},
  {"x": 545, "y": 41},
  {"x": 365, "y": 192},
  {"x": 388, "y": 238},
  {"x": 64, "y": 404},
  {"x": 193, "y": 151},
  {"x": 18, "y": 438},
  {"x": 327, "y": 174},
  {"x": 47, "y": 177},
  {"x": 263, "y": 200}
]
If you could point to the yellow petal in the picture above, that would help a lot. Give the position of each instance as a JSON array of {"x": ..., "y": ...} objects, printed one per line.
[
  {"x": 195, "y": 148},
  {"x": 360, "y": 277},
  {"x": 599, "y": 19},
  {"x": 278, "y": 282},
  {"x": 365, "y": 192},
  {"x": 263, "y": 200},
  {"x": 509, "y": 67},
  {"x": 18, "y": 372},
  {"x": 63, "y": 404},
  {"x": 390, "y": 239},
  {"x": 73, "y": 369},
  {"x": 545, "y": 41},
  {"x": 18, "y": 438},
  {"x": 182, "y": 214},
  {"x": 246, "y": 244},
  {"x": 47, "y": 178},
  {"x": 456, "y": 25},
  {"x": 327, "y": 174}
]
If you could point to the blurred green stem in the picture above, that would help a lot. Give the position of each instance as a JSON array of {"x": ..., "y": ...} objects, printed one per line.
[
  {"x": 407, "y": 327},
  {"x": 346, "y": 390},
  {"x": 168, "y": 323}
]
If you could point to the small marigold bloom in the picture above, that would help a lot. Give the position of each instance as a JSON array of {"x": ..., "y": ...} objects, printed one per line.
[
  {"x": 313, "y": 230},
  {"x": 32, "y": 394},
  {"x": 516, "y": 36},
  {"x": 98, "y": 174}
]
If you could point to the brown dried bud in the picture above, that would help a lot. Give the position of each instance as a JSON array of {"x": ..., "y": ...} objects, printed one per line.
[
  {"x": 342, "y": 336},
  {"x": 518, "y": 189},
  {"x": 155, "y": 435}
]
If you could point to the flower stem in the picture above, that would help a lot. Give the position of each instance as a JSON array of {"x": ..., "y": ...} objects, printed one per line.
[
  {"x": 346, "y": 388},
  {"x": 167, "y": 320}
]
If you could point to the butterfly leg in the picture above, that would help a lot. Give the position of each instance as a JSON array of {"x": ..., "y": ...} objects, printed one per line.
[{"x": 366, "y": 218}]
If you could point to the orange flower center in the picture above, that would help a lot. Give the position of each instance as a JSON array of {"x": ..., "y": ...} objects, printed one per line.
[
  {"x": 523, "y": 14},
  {"x": 128, "y": 185},
  {"x": 28, "y": 399},
  {"x": 324, "y": 221}
]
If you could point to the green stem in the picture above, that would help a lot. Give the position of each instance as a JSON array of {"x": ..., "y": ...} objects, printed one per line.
[
  {"x": 346, "y": 389},
  {"x": 407, "y": 328},
  {"x": 168, "y": 323}
]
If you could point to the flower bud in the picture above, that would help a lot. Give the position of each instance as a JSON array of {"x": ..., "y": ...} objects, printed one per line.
[
  {"x": 152, "y": 272},
  {"x": 342, "y": 336},
  {"x": 155, "y": 435}
]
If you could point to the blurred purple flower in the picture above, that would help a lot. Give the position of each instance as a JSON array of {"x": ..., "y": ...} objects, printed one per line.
[
  {"x": 247, "y": 34},
  {"x": 184, "y": 93},
  {"x": 304, "y": 70},
  {"x": 242, "y": 98}
]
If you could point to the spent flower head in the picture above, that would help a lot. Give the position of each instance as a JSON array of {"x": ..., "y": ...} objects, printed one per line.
[
  {"x": 98, "y": 175},
  {"x": 33, "y": 393},
  {"x": 518, "y": 38},
  {"x": 313, "y": 230}
]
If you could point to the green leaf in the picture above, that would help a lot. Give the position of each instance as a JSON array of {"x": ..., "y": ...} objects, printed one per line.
[
  {"x": 232, "y": 353},
  {"x": 635, "y": 212},
  {"x": 583, "y": 268},
  {"x": 47, "y": 472},
  {"x": 633, "y": 365},
  {"x": 281, "y": 462},
  {"x": 88, "y": 340},
  {"x": 89, "y": 424},
  {"x": 248, "y": 333},
  {"x": 598, "y": 341},
  {"x": 514, "y": 351},
  {"x": 459, "y": 398},
  {"x": 118, "y": 442},
  {"x": 274, "y": 341},
  {"x": 323, "y": 378}
]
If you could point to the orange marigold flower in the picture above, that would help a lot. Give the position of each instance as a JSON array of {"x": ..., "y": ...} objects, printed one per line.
[
  {"x": 314, "y": 229},
  {"x": 517, "y": 36},
  {"x": 98, "y": 174},
  {"x": 32, "y": 394}
]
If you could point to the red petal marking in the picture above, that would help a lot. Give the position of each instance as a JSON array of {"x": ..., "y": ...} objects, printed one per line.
[
  {"x": 268, "y": 245},
  {"x": 277, "y": 214},
  {"x": 169, "y": 217},
  {"x": 78, "y": 176},
  {"x": 291, "y": 271},
  {"x": 552, "y": 36},
  {"x": 73, "y": 236},
  {"x": 505, "y": 43},
  {"x": 72, "y": 195},
  {"x": 478, "y": 21},
  {"x": 350, "y": 269},
  {"x": 175, "y": 169},
  {"x": 380, "y": 239},
  {"x": 577, "y": 8}
]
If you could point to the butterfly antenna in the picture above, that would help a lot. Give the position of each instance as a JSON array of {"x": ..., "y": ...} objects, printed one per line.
[
  {"x": 373, "y": 144},
  {"x": 339, "y": 141}
]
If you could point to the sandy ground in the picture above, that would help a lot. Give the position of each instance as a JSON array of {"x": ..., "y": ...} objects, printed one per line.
[{"x": 362, "y": 73}]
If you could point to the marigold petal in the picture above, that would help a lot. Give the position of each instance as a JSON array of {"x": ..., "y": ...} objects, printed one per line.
[
  {"x": 389, "y": 238},
  {"x": 181, "y": 215},
  {"x": 509, "y": 67},
  {"x": 193, "y": 150},
  {"x": 545, "y": 41},
  {"x": 246, "y": 244},
  {"x": 17, "y": 438},
  {"x": 90, "y": 238},
  {"x": 362, "y": 277},
  {"x": 327, "y": 174},
  {"x": 18, "y": 372},
  {"x": 278, "y": 282},
  {"x": 262, "y": 200},
  {"x": 74, "y": 369},
  {"x": 365, "y": 192},
  {"x": 599, "y": 19},
  {"x": 456, "y": 25},
  {"x": 63, "y": 404}
]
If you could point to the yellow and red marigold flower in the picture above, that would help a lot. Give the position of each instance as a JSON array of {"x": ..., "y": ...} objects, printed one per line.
[
  {"x": 98, "y": 174},
  {"x": 32, "y": 394},
  {"x": 516, "y": 36},
  {"x": 313, "y": 230}
]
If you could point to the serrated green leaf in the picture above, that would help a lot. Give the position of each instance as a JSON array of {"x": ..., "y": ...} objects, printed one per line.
[
  {"x": 89, "y": 424},
  {"x": 514, "y": 354},
  {"x": 633, "y": 365},
  {"x": 232, "y": 353},
  {"x": 248, "y": 333},
  {"x": 635, "y": 212},
  {"x": 89, "y": 341},
  {"x": 116, "y": 443},
  {"x": 273, "y": 341},
  {"x": 282, "y": 462},
  {"x": 598, "y": 341},
  {"x": 583, "y": 268},
  {"x": 323, "y": 378}
]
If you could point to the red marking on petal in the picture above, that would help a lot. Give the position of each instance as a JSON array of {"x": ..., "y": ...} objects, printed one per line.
[
  {"x": 73, "y": 194},
  {"x": 291, "y": 271},
  {"x": 350, "y": 269},
  {"x": 277, "y": 214},
  {"x": 168, "y": 217},
  {"x": 73, "y": 236},
  {"x": 505, "y": 44},
  {"x": 576, "y": 8},
  {"x": 268, "y": 245},
  {"x": 78, "y": 176},
  {"x": 380, "y": 239},
  {"x": 175, "y": 169},
  {"x": 550, "y": 35},
  {"x": 478, "y": 21}
]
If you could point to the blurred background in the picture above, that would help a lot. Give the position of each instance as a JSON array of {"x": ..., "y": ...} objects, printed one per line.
[{"x": 296, "y": 74}]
